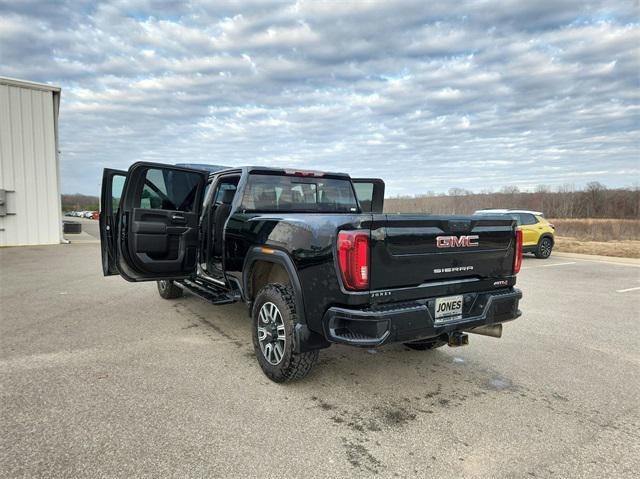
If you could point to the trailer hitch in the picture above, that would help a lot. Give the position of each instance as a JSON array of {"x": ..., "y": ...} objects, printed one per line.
[{"x": 457, "y": 339}]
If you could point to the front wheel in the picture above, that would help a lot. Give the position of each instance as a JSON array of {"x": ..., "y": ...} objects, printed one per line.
[
  {"x": 274, "y": 318},
  {"x": 545, "y": 245},
  {"x": 169, "y": 290}
]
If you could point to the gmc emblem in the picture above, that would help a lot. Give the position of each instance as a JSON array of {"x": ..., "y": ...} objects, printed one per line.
[{"x": 457, "y": 241}]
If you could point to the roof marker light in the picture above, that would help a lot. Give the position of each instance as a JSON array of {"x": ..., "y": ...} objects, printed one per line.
[{"x": 304, "y": 173}]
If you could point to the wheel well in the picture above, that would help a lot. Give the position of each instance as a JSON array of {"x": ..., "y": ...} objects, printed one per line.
[
  {"x": 266, "y": 272},
  {"x": 547, "y": 236}
]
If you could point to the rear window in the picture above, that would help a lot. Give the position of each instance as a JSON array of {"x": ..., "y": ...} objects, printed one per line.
[{"x": 294, "y": 193}]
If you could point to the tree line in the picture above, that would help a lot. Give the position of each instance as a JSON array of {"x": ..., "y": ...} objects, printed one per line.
[
  {"x": 79, "y": 202},
  {"x": 593, "y": 201}
]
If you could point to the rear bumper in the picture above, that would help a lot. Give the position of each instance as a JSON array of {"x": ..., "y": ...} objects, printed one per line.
[{"x": 409, "y": 321}]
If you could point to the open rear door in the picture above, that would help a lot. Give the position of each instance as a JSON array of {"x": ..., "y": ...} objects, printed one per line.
[
  {"x": 158, "y": 222},
  {"x": 112, "y": 186},
  {"x": 370, "y": 194}
]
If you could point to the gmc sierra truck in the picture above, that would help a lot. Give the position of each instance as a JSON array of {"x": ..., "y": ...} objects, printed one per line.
[{"x": 313, "y": 256}]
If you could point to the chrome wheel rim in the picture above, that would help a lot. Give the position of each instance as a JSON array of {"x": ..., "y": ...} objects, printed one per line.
[
  {"x": 545, "y": 248},
  {"x": 271, "y": 333}
]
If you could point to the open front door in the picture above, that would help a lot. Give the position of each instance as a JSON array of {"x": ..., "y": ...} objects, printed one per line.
[
  {"x": 370, "y": 194},
  {"x": 112, "y": 186},
  {"x": 158, "y": 222}
]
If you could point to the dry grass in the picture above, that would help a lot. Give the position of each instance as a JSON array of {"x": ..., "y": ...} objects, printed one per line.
[
  {"x": 606, "y": 237},
  {"x": 621, "y": 249},
  {"x": 604, "y": 230}
]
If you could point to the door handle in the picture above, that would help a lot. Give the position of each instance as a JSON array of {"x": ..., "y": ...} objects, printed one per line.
[{"x": 178, "y": 219}]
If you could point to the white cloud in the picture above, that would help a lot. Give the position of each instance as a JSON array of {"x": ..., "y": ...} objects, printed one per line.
[{"x": 469, "y": 94}]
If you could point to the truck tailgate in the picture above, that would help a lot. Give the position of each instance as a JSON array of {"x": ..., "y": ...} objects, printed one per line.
[{"x": 410, "y": 250}]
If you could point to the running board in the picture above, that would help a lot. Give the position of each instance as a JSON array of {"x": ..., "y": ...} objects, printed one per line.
[{"x": 209, "y": 293}]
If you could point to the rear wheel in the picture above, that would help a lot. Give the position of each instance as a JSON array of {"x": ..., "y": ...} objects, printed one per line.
[
  {"x": 169, "y": 290},
  {"x": 274, "y": 318},
  {"x": 425, "y": 344},
  {"x": 545, "y": 245}
]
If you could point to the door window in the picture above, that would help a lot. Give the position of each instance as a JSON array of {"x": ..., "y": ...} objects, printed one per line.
[
  {"x": 117, "y": 185},
  {"x": 364, "y": 192},
  {"x": 225, "y": 187},
  {"x": 528, "y": 219},
  {"x": 169, "y": 190},
  {"x": 370, "y": 194}
]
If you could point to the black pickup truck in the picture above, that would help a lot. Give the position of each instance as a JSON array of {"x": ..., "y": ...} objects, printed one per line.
[{"x": 313, "y": 257}]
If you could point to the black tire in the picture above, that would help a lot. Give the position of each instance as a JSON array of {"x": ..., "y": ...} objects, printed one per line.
[
  {"x": 169, "y": 290},
  {"x": 425, "y": 344},
  {"x": 545, "y": 245},
  {"x": 290, "y": 366}
]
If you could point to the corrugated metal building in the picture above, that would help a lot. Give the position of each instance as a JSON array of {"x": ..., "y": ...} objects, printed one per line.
[{"x": 30, "y": 209}]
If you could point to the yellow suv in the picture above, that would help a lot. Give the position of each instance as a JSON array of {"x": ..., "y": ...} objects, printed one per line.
[{"x": 537, "y": 232}]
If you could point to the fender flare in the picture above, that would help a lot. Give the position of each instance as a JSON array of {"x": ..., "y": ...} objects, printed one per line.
[
  {"x": 284, "y": 260},
  {"x": 303, "y": 338}
]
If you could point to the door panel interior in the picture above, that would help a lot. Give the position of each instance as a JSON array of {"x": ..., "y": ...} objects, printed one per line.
[
  {"x": 164, "y": 241},
  {"x": 159, "y": 230}
]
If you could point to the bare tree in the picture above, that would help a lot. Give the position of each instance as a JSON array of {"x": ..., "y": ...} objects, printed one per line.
[{"x": 595, "y": 201}]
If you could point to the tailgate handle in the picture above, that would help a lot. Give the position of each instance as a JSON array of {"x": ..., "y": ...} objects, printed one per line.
[{"x": 458, "y": 226}]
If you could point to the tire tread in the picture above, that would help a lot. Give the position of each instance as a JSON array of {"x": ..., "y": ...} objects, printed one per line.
[
  {"x": 172, "y": 292},
  {"x": 538, "y": 253},
  {"x": 300, "y": 363}
]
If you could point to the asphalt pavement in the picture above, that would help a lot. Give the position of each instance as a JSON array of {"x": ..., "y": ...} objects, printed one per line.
[
  {"x": 103, "y": 378},
  {"x": 90, "y": 230}
]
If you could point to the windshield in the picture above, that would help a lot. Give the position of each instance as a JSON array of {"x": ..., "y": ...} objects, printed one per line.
[{"x": 294, "y": 193}]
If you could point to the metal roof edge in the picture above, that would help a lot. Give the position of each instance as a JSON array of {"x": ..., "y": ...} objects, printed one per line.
[{"x": 29, "y": 84}]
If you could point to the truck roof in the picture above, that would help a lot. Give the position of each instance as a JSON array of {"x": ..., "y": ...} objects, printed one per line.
[{"x": 215, "y": 170}]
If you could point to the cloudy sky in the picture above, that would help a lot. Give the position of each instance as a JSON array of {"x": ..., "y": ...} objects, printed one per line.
[{"x": 427, "y": 95}]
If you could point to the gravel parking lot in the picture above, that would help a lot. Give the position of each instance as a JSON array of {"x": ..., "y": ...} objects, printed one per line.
[{"x": 103, "y": 378}]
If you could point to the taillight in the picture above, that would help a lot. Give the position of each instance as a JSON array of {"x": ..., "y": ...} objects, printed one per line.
[
  {"x": 517, "y": 262},
  {"x": 353, "y": 258}
]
